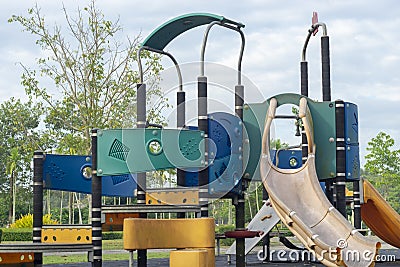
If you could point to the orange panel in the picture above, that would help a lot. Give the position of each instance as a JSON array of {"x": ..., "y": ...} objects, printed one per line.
[
  {"x": 17, "y": 257},
  {"x": 380, "y": 217},
  {"x": 172, "y": 197},
  {"x": 115, "y": 221}
]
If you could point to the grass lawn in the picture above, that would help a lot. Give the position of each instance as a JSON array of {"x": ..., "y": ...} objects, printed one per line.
[
  {"x": 106, "y": 257},
  {"x": 107, "y": 245}
]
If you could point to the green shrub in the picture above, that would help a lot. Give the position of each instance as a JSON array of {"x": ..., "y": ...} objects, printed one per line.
[
  {"x": 26, "y": 221},
  {"x": 112, "y": 235},
  {"x": 25, "y": 234},
  {"x": 221, "y": 229},
  {"x": 17, "y": 234}
]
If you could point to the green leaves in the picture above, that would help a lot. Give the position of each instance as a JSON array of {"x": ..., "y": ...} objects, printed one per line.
[
  {"x": 85, "y": 78},
  {"x": 92, "y": 70},
  {"x": 383, "y": 168},
  {"x": 18, "y": 139},
  {"x": 382, "y": 159}
]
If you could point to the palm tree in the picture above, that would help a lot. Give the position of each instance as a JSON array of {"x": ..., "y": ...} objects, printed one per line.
[{"x": 12, "y": 169}]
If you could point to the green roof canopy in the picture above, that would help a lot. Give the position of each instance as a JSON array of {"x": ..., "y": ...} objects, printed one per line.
[{"x": 168, "y": 31}]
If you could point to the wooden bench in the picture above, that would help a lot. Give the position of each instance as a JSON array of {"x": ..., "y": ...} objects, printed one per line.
[{"x": 194, "y": 239}]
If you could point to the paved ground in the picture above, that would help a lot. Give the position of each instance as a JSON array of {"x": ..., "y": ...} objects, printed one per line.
[
  {"x": 252, "y": 260},
  {"x": 221, "y": 261}
]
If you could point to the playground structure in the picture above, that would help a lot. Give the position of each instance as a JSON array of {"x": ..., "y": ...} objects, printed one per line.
[{"x": 218, "y": 159}]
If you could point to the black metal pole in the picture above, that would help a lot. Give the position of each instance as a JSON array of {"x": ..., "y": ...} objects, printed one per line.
[
  {"x": 304, "y": 92},
  {"x": 329, "y": 191},
  {"x": 180, "y": 115},
  {"x": 141, "y": 177},
  {"x": 203, "y": 126},
  {"x": 326, "y": 96},
  {"x": 357, "y": 204},
  {"x": 240, "y": 226},
  {"x": 304, "y": 78},
  {"x": 38, "y": 158},
  {"x": 340, "y": 159},
  {"x": 326, "y": 69},
  {"x": 266, "y": 239},
  {"x": 96, "y": 206},
  {"x": 240, "y": 205}
]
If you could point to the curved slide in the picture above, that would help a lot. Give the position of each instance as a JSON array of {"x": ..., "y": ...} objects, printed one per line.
[
  {"x": 379, "y": 216},
  {"x": 301, "y": 204}
]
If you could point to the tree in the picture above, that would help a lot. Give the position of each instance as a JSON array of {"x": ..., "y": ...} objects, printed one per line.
[
  {"x": 383, "y": 167},
  {"x": 92, "y": 71},
  {"x": 11, "y": 169},
  {"x": 92, "y": 74},
  {"x": 19, "y": 137},
  {"x": 382, "y": 160}
]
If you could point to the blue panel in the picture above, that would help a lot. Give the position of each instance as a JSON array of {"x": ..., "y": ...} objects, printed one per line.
[
  {"x": 225, "y": 135},
  {"x": 323, "y": 186},
  {"x": 352, "y": 162},
  {"x": 288, "y": 159},
  {"x": 225, "y": 174},
  {"x": 225, "y": 131},
  {"x": 351, "y": 123},
  {"x": 191, "y": 177},
  {"x": 65, "y": 172},
  {"x": 191, "y": 174},
  {"x": 351, "y": 138}
]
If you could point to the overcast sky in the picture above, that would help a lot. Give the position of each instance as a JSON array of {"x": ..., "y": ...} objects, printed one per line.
[{"x": 364, "y": 40}]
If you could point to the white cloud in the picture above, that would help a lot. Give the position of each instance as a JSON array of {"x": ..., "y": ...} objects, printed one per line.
[{"x": 364, "y": 39}]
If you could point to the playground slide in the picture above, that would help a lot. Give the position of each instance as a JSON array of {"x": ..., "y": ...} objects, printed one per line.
[
  {"x": 301, "y": 204},
  {"x": 265, "y": 219},
  {"x": 380, "y": 217}
]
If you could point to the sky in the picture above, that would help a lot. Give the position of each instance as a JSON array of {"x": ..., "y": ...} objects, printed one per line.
[{"x": 364, "y": 49}]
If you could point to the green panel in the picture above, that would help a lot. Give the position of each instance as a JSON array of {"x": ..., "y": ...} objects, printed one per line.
[
  {"x": 253, "y": 117},
  {"x": 323, "y": 115},
  {"x": 121, "y": 151},
  {"x": 168, "y": 31}
]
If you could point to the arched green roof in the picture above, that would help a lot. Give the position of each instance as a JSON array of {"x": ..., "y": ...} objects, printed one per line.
[{"x": 168, "y": 31}]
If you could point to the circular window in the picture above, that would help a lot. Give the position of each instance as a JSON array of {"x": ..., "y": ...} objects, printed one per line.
[
  {"x": 293, "y": 162},
  {"x": 154, "y": 147},
  {"x": 86, "y": 172}
]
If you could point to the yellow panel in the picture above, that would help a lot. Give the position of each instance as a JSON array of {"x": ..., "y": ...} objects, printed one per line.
[
  {"x": 349, "y": 193},
  {"x": 210, "y": 257},
  {"x": 188, "y": 257},
  {"x": 67, "y": 235},
  {"x": 173, "y": 197},
  {"x": 17, "y": 257},
  {"x": 174, "y": 233}
]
